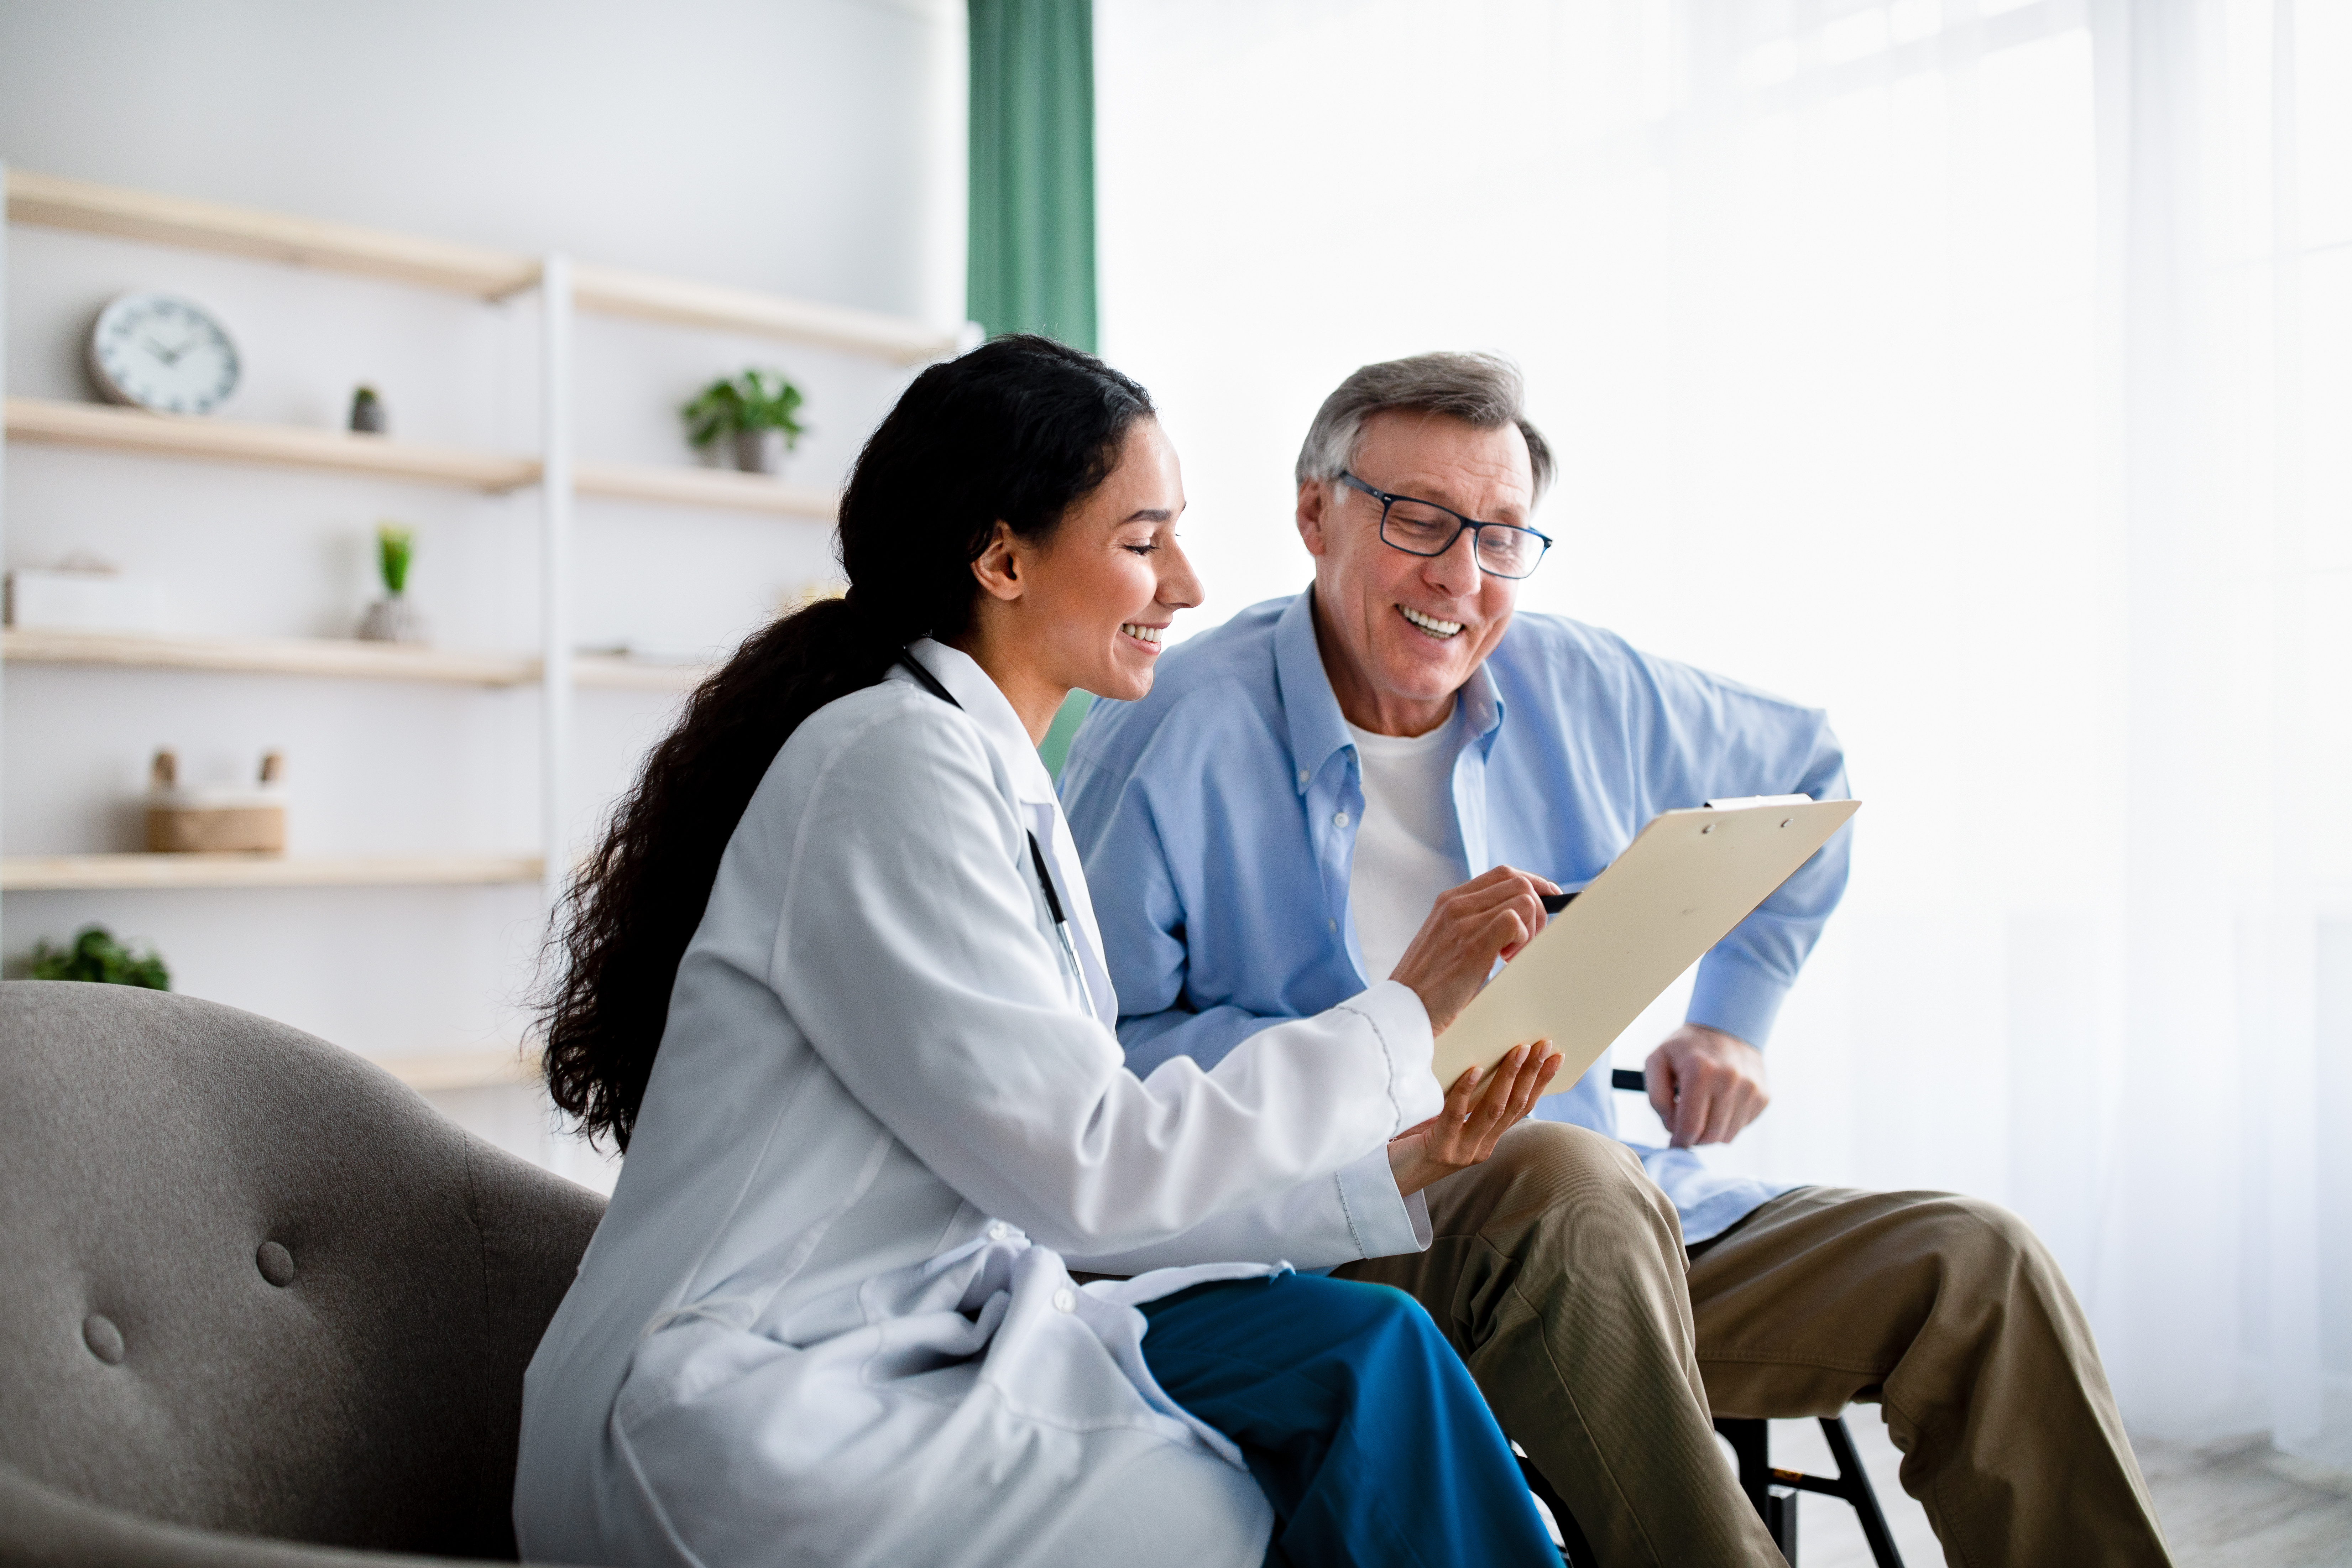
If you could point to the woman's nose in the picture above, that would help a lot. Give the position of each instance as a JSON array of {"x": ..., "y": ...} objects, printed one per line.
[{"x": 1180, "y": 585}]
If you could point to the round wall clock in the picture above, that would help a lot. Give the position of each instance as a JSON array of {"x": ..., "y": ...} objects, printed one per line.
[{"x": 161, "y": 353}]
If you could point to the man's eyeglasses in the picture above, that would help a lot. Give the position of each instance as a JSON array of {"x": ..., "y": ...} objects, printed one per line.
[{"x": 1425, "y": 528}]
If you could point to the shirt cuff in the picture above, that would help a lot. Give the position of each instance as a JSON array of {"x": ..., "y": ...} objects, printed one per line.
[
  {"x": 1401, "y": 1023},
  {"x": 1386, "y": 1222},
  {"x": 1737, "y": 998}
]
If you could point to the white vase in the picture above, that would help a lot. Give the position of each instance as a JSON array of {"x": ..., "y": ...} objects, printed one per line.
[
  {"x": 391, "y": 620},
  {"x": 760, "y": 451}
]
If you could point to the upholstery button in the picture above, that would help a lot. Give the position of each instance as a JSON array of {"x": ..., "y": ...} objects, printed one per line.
[
  {"x": 1339, "y": 819},
  {"x": 104, "y": 1339},
  {"x": 1065, "y": 1300},
  {"x": 276, "y": 1263}
]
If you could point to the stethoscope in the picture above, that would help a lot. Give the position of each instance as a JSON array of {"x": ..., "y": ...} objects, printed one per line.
[{"x": 1036, "y": 851}]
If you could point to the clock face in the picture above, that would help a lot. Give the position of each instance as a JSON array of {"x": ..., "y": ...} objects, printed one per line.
[{"x": 161, "y": 353}]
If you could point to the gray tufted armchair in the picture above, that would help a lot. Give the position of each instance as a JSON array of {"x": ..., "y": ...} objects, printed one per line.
[{"x": 256, "y": 1299}]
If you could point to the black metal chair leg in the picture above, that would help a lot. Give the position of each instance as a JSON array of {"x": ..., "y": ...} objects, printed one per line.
[
  {"x": 1576, "y": 1552},
  {"x": 1751, "y": 1444},
  {"x": 1859, "y": 1493},
  {"x": 1772, "y": 1492}
]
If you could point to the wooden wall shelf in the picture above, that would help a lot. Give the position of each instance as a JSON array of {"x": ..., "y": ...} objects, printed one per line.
[
  {"x": 87, "y": 873},
  {"x": 352, "y": 659},
  {"x": 724, "y": 488},
  {"x": 77, "y": 204},
  {"x": 460, "y": 1070},
  {"x": 54, "y": 203},
  {"x": 108, "y": 428},
  {"x": 681, "y": 303},
  {"x": 105, "y": 427},
  {"x": 613, "y": 672}
]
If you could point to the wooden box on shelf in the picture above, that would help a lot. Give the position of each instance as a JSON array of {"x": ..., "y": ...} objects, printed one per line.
[{"x": 211, "y": 822}]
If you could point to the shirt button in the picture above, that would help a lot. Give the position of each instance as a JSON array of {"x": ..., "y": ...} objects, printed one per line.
[
  {"x": 1333, "y": 924},
  {"x": 1339, "y": 819},
  {"x": 999, "y": 1231},
  {"x": 1302, "y": 776},
  {"x": 1065, "y": 1300}
]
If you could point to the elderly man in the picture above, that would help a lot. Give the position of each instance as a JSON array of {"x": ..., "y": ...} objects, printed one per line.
[{"x": 1269, "y": 830}]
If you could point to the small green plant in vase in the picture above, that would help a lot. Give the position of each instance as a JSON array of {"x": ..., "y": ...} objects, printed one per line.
[
  {"x": 95, "y": 956},
  {"x": 758, "y": 411},
  {"x": 393, "y": 618}
]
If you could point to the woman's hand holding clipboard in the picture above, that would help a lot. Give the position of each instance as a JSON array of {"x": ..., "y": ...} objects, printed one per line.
[{"x": 1678, "y": 890}]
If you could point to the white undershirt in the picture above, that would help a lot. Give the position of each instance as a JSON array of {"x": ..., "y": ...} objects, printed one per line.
[{"x": 1408, "y": 846}]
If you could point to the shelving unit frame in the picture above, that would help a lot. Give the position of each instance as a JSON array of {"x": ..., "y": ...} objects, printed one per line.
[{"x": 565, "y": 287}]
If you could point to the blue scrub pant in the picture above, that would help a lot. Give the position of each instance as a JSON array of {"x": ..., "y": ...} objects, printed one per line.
[{"x": 1360, "y": 1423}]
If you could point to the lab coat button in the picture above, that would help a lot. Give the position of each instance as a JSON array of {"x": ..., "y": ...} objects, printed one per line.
[
  {"x": 1065, "y": 1300},
  {"x": 999, "y": 1231}
]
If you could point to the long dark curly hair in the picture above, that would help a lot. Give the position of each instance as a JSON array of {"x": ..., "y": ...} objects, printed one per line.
[{"x": 1018, "y": 430}]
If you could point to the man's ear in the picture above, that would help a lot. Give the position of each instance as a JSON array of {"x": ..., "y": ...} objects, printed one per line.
[
  {"x": 998, "y": 568},
  {"x": 1314, "y": 495}
]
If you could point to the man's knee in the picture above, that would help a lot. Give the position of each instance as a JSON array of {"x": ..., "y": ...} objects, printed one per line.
[
  {"x": 1567, "y": 1182},
  {"x": 1982, "y": 1244},
  {"x": 1556, "y": 1152}
]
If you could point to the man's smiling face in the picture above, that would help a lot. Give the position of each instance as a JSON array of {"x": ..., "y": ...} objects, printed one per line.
[{"x": 1401, "y": 634}]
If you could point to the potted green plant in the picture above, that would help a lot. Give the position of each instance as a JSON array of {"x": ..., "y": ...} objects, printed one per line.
[
  {"x": 96, "y": 956},
  {"x": 757, "y": 411},
  {"x": 367, "y": 412},
  {"x": 393, "y": 618}
]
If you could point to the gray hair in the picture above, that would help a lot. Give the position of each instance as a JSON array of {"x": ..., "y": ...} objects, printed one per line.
[{"x": 1483, "y": 391}]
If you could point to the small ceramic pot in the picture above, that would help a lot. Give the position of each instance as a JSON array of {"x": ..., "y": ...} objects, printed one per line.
[
  {"x": 391, "y": 620},
  {"x": 760, "y": 451}
]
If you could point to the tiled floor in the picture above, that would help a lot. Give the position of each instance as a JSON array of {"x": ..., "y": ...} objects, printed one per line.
[{"x": 2234, "y": 1505}]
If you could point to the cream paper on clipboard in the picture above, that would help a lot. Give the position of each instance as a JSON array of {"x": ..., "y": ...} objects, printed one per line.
[{"x": 1678, "y": 890}]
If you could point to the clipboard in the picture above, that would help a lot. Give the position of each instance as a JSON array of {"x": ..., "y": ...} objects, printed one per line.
[{"x": 1678, "y": 890}]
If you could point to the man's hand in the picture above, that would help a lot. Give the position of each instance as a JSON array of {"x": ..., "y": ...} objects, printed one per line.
[
  {"x": 1479, "y": 1110},
  {"x": 1705, "y": 1085},
  {"x": 1489, "y": 917}
]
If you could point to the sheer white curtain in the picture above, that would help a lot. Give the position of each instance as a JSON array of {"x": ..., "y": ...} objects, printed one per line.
[{"x": 1980, "y": 372}]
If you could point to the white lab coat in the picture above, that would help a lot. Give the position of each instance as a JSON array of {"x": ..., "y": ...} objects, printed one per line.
[{"x": 827, "y": 1318}]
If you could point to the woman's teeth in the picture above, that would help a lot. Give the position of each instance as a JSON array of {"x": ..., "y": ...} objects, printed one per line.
[
  {"x": 1144, "y": 634},
  {"x": 1431, "y": 624}
]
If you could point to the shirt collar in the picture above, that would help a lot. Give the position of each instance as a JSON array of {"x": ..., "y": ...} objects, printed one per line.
[
  {"x": 1311, "y": 709},
  {"x": 971, "y": 686}
]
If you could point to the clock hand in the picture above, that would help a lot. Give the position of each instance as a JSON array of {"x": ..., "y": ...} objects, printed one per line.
[{"x": 169, "y": 356}]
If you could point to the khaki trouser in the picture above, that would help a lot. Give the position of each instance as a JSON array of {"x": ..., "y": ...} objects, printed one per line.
[{"x": 1558, "y": 1271}]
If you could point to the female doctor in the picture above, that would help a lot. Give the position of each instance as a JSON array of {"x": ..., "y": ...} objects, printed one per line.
[{"x": 833, "y": 981}]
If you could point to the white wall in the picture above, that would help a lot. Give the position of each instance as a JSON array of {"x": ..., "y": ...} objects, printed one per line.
[{"x": 810, "y": 147}]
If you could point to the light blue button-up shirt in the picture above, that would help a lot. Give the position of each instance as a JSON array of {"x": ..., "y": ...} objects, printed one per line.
[{"x": 1217, "y": 821}]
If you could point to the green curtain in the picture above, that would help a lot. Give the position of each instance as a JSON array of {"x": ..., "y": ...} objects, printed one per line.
[{"x": 1031, "y": 263}]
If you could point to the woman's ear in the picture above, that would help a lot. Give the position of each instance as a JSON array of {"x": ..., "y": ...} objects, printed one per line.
[{"x": 998, "y": 567}]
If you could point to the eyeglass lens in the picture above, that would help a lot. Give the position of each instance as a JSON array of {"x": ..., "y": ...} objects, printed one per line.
[{"x": 1428, "y": 531}]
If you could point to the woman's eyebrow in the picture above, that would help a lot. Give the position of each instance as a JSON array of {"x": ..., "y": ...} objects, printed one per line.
[{"x": 1151, "y": 514}]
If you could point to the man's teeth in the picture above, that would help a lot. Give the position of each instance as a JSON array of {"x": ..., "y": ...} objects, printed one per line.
[
  {"x": 1431, "y": 624},
  {"x": 1143, "y": 634}
]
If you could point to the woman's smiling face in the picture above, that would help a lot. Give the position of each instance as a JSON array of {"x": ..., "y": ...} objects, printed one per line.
[{"x": 1098, "y": 597}]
